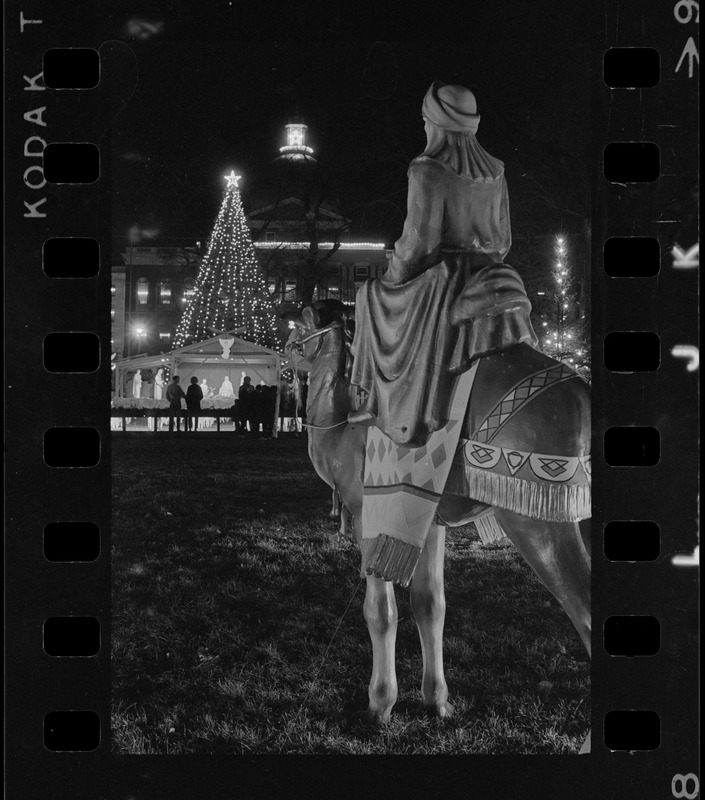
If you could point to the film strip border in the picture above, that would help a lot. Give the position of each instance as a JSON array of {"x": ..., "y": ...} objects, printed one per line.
[
  {"x": 58, "y": 348},
  {"x": 645, "y": 396}
]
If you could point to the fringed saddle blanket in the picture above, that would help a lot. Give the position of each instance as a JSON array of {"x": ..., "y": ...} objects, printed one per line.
[
  {"x": 403, "y": 486},
  {"x": 545, "y": 486}
]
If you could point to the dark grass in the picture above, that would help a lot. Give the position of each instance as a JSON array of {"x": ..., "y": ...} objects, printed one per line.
[{"x": 237, "y": 620}]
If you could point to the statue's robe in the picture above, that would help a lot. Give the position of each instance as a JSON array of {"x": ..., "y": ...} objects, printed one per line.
[{"x": 446, "y": 299}]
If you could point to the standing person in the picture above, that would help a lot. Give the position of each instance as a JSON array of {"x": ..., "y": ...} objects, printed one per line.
[
  {"x": 175, "y": 394},
  {"x": 137, "y": 384},
  {"x": 284, "y": 402},
  {"x": 270, "y": 409},
  {"x": 194, "y": 395},
  {"x": 258, "y": 411},
  {"x": 245, "y": 403}
]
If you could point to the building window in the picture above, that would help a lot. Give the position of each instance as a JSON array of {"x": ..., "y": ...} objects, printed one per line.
[
  {"x": 289, "y": 285},
  {"x": 165, "y": 337},
  {"x": 270, "y": 236},
  {"x": 272, "y": 285},
  {"x": 189, "y": 290},
  {"x": 334, "y": 291},
  {"x": 362, "y": 271},
  {"x": 142, "y": 291},
  {"x": 165, "y": 293},
  {"x": 335, "y": 271}
]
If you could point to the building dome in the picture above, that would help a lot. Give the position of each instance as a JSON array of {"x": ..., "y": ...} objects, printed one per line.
[
  {"x": 295, "y": 177},
  {"x": 296, "y": 147}
]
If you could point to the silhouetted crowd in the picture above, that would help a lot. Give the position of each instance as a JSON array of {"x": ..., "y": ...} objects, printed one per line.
[
  {"x": 256, "y": 407},
  {"x": 253, "y": 412}
]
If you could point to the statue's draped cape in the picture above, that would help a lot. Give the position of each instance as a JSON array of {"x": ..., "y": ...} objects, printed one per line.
[{"x": 446, "y": 299}]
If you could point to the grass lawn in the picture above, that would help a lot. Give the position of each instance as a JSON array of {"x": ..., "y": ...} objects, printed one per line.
[{"x": 238, "y": 628}]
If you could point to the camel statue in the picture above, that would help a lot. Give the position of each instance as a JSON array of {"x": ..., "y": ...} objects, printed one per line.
[
  {"x": 457, "y": 416},
  {"x": 556, "y": 551}
]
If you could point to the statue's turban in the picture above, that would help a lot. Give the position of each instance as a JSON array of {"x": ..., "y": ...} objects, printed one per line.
[{"x": 452, "y": 108}]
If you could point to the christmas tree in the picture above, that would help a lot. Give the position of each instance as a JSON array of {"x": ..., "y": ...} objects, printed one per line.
[
  {"x": 231, "y": 291},
  {"x": 565, "y": 329}
]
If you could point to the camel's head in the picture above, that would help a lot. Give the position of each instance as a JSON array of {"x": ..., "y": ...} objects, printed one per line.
[{"x": 312, "y": 323}]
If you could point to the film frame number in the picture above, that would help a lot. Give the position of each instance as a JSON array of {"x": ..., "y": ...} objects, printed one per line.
[
  {"x": 683, "y": 11},
  {"x": 680, "y": 786}
]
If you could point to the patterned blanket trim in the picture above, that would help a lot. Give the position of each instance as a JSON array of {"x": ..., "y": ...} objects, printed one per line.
[
  {"x": 402, "y": 487},
  {"x": 548, "y": 487},
  {"x": 518, "y": 396}
]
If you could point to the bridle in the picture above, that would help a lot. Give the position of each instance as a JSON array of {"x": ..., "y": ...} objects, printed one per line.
[
  {"x": 295, "y": 349},
  {"x": 299, "y": 343}
]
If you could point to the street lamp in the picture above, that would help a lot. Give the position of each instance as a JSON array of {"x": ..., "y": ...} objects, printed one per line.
[{"x": 140, "y": 333}]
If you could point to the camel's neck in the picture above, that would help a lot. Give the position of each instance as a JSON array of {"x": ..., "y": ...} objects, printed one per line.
[{"x": 328, "y": 389}]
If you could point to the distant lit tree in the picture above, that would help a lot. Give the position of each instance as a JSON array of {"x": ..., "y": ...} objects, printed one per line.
[
  {"x": 564, "y": 333},
  {"x": 231, "y": 290}
]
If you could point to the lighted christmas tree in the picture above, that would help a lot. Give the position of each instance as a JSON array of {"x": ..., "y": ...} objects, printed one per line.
[
  {"x": 565, "y": 329},
  {"x": 231, "y": 291}
]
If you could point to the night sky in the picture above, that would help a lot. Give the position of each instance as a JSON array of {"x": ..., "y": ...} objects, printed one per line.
[{"x": 197, "y": 95}]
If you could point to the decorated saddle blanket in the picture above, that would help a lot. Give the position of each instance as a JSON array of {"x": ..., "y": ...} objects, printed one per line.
[
  {"x": 402, "y": 488},
  {"x": 544, "y": 482},
  {"x": 403, "y": 485}
]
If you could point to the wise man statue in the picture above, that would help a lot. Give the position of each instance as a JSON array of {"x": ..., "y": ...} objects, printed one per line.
[
  {"x": 159, "y": 384},
  {"x": 447, "y": 297},
  {"x": 137, "y": 384}
]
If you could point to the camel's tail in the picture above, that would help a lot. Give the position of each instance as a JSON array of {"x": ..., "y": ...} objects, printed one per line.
[{"x": 489, "y": 529}]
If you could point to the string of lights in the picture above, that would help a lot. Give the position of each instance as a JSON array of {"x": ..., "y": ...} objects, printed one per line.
[
  {"x": 562, "y": 335},
  {"x": 273, "y": 245},
  {"x": 231, "y": 289}
]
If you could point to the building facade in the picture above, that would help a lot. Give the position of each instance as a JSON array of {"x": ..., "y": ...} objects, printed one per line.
[
  {"x": 150, "y": 290},
  {"x": 303, "y": 243}
]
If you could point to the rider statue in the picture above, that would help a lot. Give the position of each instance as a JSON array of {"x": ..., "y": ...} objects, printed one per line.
[{"x": 446, "y": 298}]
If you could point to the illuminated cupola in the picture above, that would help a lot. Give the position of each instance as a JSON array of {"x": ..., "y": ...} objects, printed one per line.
[{"x": 296, "y": 148}]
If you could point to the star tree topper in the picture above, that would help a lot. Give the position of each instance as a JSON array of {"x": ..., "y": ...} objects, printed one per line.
[{"x": 232, "y": 179}]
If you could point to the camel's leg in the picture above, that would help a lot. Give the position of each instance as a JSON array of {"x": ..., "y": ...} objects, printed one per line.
[
  {"x": 380, "y": 611},
  {"x": 586, "y": 533},
  {"x": 346, "y": 532},
  {"x": 557, "y": 554},
  {"x": 428, "y": 603},
  {"x": 335, "y": 505}
]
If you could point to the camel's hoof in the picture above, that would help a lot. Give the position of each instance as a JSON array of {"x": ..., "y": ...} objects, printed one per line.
[
  {"x": 438, "y": 710},
  {"x": 378, "y": 717}
]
